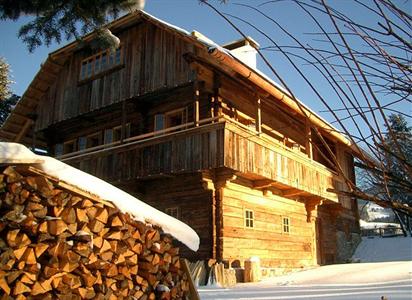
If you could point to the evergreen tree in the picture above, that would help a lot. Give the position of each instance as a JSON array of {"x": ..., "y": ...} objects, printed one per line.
[
  {"x": 6, "y": 106},
  {"x": 397, "y": 151},
  {"x": 58, "y": 19},
  {"x": 4, "y": 79}
]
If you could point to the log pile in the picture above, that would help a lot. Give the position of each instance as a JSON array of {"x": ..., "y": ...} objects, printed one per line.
[{"x": 57, "y": 244}]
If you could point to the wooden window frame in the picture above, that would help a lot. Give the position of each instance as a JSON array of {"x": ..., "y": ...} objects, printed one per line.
[
  {"x": 285, "y": 225},
  {"x": 249, "y": 218},
  {"x": 90, "y": 63},
  {"x": 99, "y": 136},
  {"x": 173, "y": 211},
  {"x": 58, "y": 149},
  {"x": 72, "y": 142},
  {"x": 82, "y": 141},
  {"x": 183, "y": 114},
  {"x": 116, "y": 131},
  {"x": 165, "y": 117}
]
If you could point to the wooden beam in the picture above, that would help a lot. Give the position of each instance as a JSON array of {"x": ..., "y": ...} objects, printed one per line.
[
  {"x": 262, "y": 183},
  {"x": 196, "y": 104},
  {"x": 23, "y": 130},
  {"x": 194, "y": 295},
  {"x": 258, "y": 121},
  {"x": 308, "y": 139},
  {"x": 216, "y": 86},
  {"x": 123, "y": 130},
  {"x": 292, "y": 193}
]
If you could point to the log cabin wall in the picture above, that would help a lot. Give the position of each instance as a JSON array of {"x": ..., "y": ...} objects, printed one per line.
[
  {"x": 184, "y": 197},
  {"x": 152, "y": 59},
  {"x": 267, "y": 238}
]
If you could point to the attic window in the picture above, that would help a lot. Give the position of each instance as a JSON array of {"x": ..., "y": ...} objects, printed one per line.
[{"x": 100, "y": 62}]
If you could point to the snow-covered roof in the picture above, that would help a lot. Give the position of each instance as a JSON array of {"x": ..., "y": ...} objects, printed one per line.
[
  {"x": 12, "y": 152},
  {"x": 374, "y": 225}
]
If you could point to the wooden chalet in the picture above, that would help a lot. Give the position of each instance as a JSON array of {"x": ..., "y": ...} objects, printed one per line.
[{"x": 195, "y": 130}]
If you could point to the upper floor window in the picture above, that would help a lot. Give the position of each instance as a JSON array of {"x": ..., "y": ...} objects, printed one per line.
[
  {"x": 100, "y": 62},
  {"x": 114, "y": 134},
  {"x": 93, "y": 140},
  {"x": 170, "y": 119}
]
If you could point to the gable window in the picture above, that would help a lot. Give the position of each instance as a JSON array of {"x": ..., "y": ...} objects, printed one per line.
[
  {"x": 249, "y": 218},
  {"x": 173, "y": 211},
  {"x": 100, "y": 62},
  {"x": 286, "y": 225}
]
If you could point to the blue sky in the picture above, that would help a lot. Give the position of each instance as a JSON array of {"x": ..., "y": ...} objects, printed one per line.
[
  {"x": 191, "y": 15},
  {"x": 187, "y": 14}
]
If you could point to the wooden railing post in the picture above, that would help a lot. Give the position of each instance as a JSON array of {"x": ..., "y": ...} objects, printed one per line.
[
  {"x": 309, "y": 147},
  {"x": 258, "y": 121},
  {"x": 196, "y": 108}
]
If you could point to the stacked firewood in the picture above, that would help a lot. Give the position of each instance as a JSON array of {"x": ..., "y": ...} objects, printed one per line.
[{"x": 55, "y": 244}]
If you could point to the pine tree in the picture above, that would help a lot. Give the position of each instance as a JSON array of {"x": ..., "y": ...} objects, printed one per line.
[
  {"x": 58, "y": 19},
  {"x": 398, "y": 151},
  {"x": 4, "y": 79},
  {"x": 6, "y": 106}
]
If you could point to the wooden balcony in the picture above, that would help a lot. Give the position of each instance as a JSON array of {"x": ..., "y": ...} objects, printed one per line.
[
  {"x": 209, "y": 144},
  {"x": 271, "y": 164}
]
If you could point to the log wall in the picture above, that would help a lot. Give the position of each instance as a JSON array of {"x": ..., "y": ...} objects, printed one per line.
[
  {"x": 185, "y": 192},
  {"x": 266, "y": 240}
]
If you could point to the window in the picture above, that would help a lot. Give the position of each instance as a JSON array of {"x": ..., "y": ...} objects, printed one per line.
[
  {"x": 285, "y": 225},
  {"x": 82, "y": 143},
  {"x": 176, "y": 117},
  {"x": 69, "y": 146},
  {"x": 93, "y": 140},
  {"x": 100, "y": 62},
  {"x": 173, "y": 211},
  {"x": 58, "y": 150},
  {"x": 114, "y": 134},
  {"x": 249, "y": 219},
  {"x": 170, "y": 119},
  {"x": 159, "y": 122}
]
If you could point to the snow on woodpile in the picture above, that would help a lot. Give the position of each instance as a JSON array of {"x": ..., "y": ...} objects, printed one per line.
[
  {"x": 10, "y": 152},
  {"x": 58, "y": 242}
]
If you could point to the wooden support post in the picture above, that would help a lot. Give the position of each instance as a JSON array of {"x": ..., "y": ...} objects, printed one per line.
[
  {"x": 309, "y": 147},
  {"x": 123, "y": 130},
  {"x": 212, "y": 107},
  {"x": 258, "y": 120},
  {"x": 216, "y": 86},
  {"x": 196, "y": 105}
]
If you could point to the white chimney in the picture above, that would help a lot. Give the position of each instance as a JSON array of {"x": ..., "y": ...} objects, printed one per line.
[{"x": 244, "y": 50}]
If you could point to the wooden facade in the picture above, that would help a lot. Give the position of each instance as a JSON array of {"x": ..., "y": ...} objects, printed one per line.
[{"x": 192, "y": 133}]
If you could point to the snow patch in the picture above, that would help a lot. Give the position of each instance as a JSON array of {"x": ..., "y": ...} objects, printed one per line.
[{"x": 125, "y": 202}]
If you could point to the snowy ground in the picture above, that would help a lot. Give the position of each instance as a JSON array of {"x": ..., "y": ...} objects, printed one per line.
[{"x": 377, "y": 275}]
